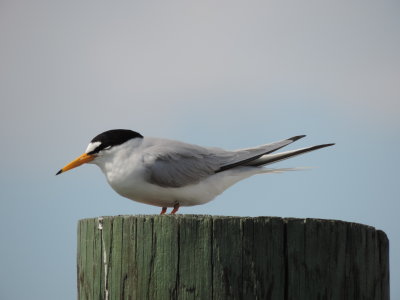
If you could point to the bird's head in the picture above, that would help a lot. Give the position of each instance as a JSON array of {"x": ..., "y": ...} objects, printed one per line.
[{"x": 100, "y": 145}]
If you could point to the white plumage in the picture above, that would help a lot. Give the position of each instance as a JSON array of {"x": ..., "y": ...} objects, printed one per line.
[{"x": 169, "y": 173}]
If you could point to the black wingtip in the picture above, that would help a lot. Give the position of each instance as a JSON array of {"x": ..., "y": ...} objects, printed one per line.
[
  {"x": 322, "y": 146},
  {"x": 297, "y": 137},
  {"x": 327, "y": 145},
  {"x": 59, "y": 172}
]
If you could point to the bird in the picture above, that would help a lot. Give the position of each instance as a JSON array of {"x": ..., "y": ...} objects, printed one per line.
[{"x": 169, "y": 173}]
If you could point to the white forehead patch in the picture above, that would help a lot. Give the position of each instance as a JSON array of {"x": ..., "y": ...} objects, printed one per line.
[{"x": 92, "y": 146}]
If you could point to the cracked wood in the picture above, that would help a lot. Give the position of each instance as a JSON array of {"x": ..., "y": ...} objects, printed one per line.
[{"x": 214, "y": 257}]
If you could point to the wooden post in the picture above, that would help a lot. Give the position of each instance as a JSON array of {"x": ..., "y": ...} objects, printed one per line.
[{"x": 214, "y": 257}]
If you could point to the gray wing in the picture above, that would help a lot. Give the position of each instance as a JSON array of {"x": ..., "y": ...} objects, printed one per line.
[
  {"x": 170, "y": 167},
  {"x": 176, "y": 164}
]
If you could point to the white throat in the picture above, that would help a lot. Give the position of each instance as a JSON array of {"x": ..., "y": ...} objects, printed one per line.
[{"x": 117, "y": 162}]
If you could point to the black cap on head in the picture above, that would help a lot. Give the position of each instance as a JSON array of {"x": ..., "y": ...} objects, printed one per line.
[{"x": 113, "y": 137}]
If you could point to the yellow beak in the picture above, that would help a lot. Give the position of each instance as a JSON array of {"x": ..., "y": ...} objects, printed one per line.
[{"x": 84, "y": 158}]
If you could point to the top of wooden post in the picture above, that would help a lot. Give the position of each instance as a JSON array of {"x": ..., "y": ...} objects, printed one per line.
[{"x": 224, "y": 257}]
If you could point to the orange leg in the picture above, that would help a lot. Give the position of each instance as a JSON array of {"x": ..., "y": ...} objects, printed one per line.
[
  {"x": 176, "y": 207},
  {"x": 163, "y": 211}
]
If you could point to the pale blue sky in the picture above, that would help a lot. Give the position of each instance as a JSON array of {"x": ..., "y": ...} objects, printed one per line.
[{"x": 231, "y": 74}]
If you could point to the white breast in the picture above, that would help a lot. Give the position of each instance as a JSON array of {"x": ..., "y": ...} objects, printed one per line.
[{"x": 126, "y": 174}]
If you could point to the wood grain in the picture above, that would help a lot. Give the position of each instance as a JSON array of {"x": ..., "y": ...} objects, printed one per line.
[{"x": 215, "y": 257}]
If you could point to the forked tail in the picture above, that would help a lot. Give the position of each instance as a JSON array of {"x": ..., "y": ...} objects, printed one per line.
[{"x": 273, "y": 158}]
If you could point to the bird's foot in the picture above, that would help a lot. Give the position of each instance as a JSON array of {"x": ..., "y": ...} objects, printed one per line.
[
  {"x": 176, "y": 207},
  {"x": 163, "y": 211}
]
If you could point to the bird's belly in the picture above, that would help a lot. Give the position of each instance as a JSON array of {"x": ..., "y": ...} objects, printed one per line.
[
  {"x": 136, "y": 188},
  {"x": 148, "y": 193}
]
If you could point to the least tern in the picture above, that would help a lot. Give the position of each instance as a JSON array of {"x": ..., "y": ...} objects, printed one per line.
[{"x": 168, "y": 173}]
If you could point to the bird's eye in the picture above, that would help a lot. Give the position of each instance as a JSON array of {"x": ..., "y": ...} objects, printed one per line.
[{"x": 108, "y": 147}]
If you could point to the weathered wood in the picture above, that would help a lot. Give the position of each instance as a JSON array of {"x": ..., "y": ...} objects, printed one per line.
[{"x": 213, "y": 257}]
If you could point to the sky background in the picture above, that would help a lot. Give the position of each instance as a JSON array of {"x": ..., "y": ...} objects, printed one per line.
[{"x": 231, "y": 74}]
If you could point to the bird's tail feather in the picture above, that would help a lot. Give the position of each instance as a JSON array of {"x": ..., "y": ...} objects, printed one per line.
[
  {"x": 273, "y": 158},
  {"x": 260, "y": 150},
  {"x": 282, "y": 170}
]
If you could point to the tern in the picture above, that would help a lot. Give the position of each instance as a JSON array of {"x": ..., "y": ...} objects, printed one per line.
[{"x": 168, "y": 173}]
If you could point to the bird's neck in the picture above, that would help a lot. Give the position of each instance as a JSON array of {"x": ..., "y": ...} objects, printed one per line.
[{"x": 119, "y": 162}]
